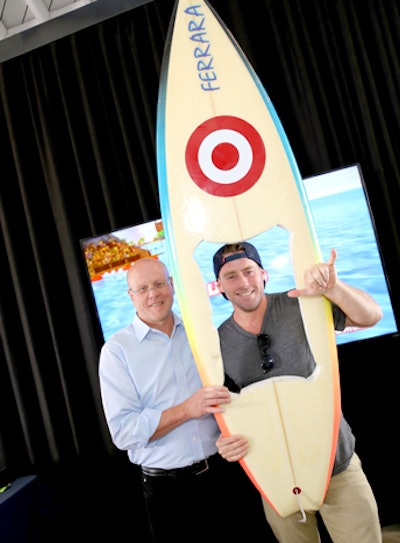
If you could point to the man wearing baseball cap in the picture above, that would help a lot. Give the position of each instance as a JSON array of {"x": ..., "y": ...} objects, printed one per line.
[{"x": 263, "y": 338}]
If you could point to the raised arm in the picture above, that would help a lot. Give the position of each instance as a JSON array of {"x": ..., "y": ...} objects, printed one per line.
[{"x": 358, "y": 306}]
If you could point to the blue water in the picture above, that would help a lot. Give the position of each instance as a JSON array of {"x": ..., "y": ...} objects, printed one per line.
[{"x": 341, "y": 221}]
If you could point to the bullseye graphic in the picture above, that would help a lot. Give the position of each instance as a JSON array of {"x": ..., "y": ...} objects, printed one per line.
[{"x": 225, "y": 156}]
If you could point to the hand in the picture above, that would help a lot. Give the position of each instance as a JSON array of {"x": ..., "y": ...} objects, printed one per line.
[
  {"x": 232, "y": 448},
  {"x": 318, "y": 279},
  {"x": 207, "y": 400}
]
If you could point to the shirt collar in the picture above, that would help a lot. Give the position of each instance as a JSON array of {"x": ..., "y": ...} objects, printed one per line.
[{"x": 142, "y": 329}]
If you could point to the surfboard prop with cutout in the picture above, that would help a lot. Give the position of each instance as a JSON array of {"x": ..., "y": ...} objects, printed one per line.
[{"x": 227, "y": 173}]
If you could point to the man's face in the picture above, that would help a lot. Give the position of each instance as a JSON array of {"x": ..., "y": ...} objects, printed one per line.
[
  {"x": 242, "y": 282},
  {"x": 151, "y": 291}
]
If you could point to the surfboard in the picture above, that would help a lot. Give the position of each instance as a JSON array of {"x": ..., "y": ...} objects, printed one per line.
[{"x": 226, "y": 173}]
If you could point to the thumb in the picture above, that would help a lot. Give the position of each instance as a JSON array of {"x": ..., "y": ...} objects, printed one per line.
[{"x": 332, "y": 258}]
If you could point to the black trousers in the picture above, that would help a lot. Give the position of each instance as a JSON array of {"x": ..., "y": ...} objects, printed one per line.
[{"x": 221, "y": 502}]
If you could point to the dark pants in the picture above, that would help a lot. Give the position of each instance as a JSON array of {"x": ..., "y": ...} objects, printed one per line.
[{"x": 218, "y": 503}]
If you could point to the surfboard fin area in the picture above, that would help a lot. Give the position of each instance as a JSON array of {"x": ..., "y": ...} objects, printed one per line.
[{"x": 226, "y": 173}]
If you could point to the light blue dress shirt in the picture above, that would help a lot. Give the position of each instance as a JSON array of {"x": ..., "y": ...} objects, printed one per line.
[{"x": 142, "y": 372}]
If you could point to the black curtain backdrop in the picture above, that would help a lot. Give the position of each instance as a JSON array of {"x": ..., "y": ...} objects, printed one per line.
[{"x": 77, "y": 128}]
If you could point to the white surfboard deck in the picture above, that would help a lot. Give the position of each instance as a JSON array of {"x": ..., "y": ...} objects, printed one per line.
[{"x": 226, "y": 174}]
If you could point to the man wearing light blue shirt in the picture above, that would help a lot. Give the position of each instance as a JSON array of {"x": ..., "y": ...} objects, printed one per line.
[{"x": 159, "y": 412}]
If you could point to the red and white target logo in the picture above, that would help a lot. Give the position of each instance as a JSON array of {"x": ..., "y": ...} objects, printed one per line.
[{"x": 225, "y": 156}]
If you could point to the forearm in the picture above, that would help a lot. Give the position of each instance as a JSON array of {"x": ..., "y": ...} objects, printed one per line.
[
  {"x": 206, "y": 400},
  {"x": 359, "y": 307},
  {"x": 170, "y": 419}
]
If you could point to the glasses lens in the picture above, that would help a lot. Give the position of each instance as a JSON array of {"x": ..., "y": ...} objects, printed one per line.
[
  {"x": 267, "y": 363},
  {"x": 264, "y": 343}
]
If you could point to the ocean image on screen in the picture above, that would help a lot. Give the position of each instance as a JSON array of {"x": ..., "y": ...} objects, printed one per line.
[{"x": 342, "y": 221}]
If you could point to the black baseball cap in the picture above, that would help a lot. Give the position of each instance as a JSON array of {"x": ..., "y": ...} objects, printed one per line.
[{"x": 247, "y": 250}]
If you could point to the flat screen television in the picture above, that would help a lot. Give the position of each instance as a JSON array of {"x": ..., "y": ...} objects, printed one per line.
[{"x": 342, "y": 217}]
